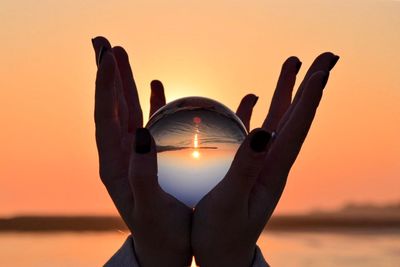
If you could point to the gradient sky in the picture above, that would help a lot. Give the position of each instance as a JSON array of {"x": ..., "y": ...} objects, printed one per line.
[{"x": 219, "y": 49}]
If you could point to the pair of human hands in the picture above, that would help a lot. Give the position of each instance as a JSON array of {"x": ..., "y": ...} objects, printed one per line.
[{"x": 223, "y": 228}]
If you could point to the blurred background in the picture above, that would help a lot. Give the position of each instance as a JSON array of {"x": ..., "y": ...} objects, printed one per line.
[{"x": 341, "y": 205}]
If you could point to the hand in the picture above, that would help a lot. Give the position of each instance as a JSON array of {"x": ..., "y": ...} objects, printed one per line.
[
  {"x": 229, "y": 219},
  {"x": 160, "y": 223}
]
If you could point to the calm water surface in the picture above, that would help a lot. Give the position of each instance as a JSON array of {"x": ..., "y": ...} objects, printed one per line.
[{"x": 280, "y": 249}]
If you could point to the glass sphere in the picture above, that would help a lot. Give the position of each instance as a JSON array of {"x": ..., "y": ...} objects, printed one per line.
[{"x": 196, "y": 140}]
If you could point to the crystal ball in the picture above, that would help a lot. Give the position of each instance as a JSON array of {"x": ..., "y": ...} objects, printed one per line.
[{"x": 196, "y": 141}]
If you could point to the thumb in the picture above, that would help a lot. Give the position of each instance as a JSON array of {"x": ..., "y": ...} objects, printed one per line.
[
  {"x": 143, "y": 167},
  {"x": 248, "y": 162}
]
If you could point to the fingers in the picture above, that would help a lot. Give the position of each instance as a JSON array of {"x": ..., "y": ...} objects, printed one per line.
[
  {"x": 283, "y": 93},
  {"x": 247, "y": 164},
  {"x": 101, "y": 47},
  {"x": 143, "y": 168},
  {"x": 135, "y": 115},
  {"x": 110, "y": 117},
  {"x": 288, "y": 142},
  {"x": 245, "y": 109},
  {"x": 324, "y": 62},
  {"x": 285, "y": 148},
  {"x": 293, "y": 134},
  {"x": 99, "y": 43},
  {"x": 108, "y": 138},
  {"x": 157, "y": 99},
  {"x": 108, "y": 129},
  {"x": 294, "y": 126}
]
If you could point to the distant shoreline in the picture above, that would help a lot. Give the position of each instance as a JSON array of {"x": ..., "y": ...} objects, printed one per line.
[
  {"x": 311, "y": 222},
  {"x": 350, "y": 218}
]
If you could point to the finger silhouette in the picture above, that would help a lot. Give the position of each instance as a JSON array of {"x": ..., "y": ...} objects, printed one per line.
[
  {"x": 135, "y": 115},
  {"x": 143, "y": 168},
  {"x": 100, "y": 43},
  {"x": 291, "y": 137},
  {"x": 245, "y": 109},
  {"x": 109, "y": 110},
  {"x": 285, "y": 148},
  {"x": 283, "y": 93},
  {"x": 106, "y": 113},
  {"x": 157, "y": 98},
  {"x": 324, "y": 62}
]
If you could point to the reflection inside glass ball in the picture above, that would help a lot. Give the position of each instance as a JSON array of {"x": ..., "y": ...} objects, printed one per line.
[{"x": 196, "y": 140}]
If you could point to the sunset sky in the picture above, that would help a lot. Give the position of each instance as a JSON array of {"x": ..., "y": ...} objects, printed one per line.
[{"x": 218, "y": 49}]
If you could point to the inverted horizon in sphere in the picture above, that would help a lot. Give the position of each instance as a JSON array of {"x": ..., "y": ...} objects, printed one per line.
[{"x": 196, "y": 140}]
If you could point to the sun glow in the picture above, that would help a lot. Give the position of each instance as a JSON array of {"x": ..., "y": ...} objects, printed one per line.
[
  {"x": 196, "y": 153},
  {"x": 196, "y": 141},
  {"x": 193, "y": 263}
]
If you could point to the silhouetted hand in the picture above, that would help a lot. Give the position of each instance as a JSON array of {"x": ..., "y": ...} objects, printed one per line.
[
  {"x": 160, "y": 223},
  {"x": 229, "y": 219}
]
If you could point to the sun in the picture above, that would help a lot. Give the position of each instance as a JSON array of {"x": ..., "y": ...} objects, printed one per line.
[{"x": 196, "y": 154}]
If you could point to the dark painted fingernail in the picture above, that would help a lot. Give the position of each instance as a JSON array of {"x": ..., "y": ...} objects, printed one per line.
[
  {"x": 155, "y": 84},
  {"x": 334, "y": 61},
  {"x": 298, "y": 66},
  {"x": 259, "y": 141},
  {"x": 102, "y": 52},
  {"x": 143, "y": 141},
  {"x": 325, "y": 79},
  {"x": 255, "y": 101}
]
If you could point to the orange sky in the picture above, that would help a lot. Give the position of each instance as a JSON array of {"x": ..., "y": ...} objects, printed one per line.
[{"x": 219, "y": 49}]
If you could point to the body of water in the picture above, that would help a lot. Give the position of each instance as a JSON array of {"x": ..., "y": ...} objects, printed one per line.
[{"x": 279, "y": 248}]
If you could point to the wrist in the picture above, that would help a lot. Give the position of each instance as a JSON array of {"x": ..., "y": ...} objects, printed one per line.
[
  {"x": 149, "y": 256},
  {"x": 242, "y": 258}
]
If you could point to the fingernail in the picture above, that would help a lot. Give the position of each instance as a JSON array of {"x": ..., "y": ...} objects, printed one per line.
[
  {"x": 143, "y": 141},
  {"x": 255, "y": 101},
  {"x": 298, "y": 66},
  {"x": 334, "y": 61},
  {"x": 259, "y": 141},
  {"x": 325, "y": 80},
  {"x": 155, "y": 84},
  {"x": 102, "y": 52}
]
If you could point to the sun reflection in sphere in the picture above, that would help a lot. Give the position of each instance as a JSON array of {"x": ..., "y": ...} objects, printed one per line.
[{"x": 209, "y": 131}]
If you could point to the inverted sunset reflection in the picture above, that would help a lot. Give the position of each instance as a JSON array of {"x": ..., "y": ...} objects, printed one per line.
[
  {"x": 196, "y": 153},
  {"x": 196, "y": 140}
]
